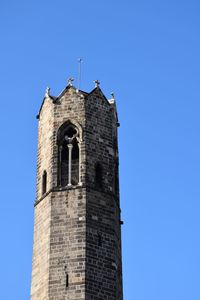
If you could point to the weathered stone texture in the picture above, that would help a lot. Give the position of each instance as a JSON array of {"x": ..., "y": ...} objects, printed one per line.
[
  {"x": 103, "y": 262},
  {"x": 41, "y": 258},
  {"x": 77, "y": 235}
]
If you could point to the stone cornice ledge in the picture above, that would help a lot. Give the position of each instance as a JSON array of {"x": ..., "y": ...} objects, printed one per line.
[{"x": 58, "y": 189}]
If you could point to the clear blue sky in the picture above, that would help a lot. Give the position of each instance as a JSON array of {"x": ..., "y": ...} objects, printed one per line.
[{"x": 148, "y": 53}]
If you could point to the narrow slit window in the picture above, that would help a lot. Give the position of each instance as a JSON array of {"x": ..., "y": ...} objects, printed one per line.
[
  {"x": 66, "y": 280},
  {"x": 98, "y": 175},
  {"x": 44, "y": 182}
]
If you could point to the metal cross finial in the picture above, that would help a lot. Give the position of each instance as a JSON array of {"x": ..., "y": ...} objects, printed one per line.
[
  {"x": 97, "y": 83},
  {"x": 70, "y": 81}
]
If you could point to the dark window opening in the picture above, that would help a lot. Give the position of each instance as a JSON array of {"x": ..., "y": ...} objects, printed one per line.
[
  {"x": 64, "y": 153},
  {"x": 70, "y": 132},
  {"x": 64, "y": 164},
  {"x": 44, "y": 182},
  {"x": 75, "y": 164},
  {"x": 66, "y": 280},
  {"x": 98, "y": 175}
]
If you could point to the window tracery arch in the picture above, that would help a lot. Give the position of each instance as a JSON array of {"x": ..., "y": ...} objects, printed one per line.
[{"x": 69, "y": 139}]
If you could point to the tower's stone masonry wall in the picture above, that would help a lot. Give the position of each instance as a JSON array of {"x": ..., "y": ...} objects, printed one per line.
[
  {"x": 41, "y": 257},
  {"x": 77, "y": 236},
  {"x": 103, "y": 263},
  {"x": 67, "y": 244},
  {"x": 45, "y": 145},
  {"x": 100, "y": 140},
  {"x": 103, "y": 256}
]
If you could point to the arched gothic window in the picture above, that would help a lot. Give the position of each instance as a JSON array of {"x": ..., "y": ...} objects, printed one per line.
[
  {"x": 44, "y": 182},
  {"x": 69, "y": 155}
]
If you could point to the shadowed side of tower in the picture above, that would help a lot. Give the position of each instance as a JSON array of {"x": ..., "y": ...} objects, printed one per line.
[
  {"x": 103, "y": 241},
  {"x": 77, "y": 236}
]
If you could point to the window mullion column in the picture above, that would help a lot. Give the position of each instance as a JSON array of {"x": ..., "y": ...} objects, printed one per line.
[
  {"x": 70, "y": 146},
  {"x": 60, "y": 165},
  {"x": 79, "y": 147}
]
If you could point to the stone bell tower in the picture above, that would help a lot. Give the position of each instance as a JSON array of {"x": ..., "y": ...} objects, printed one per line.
[{"x": 77, "y": 235}]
